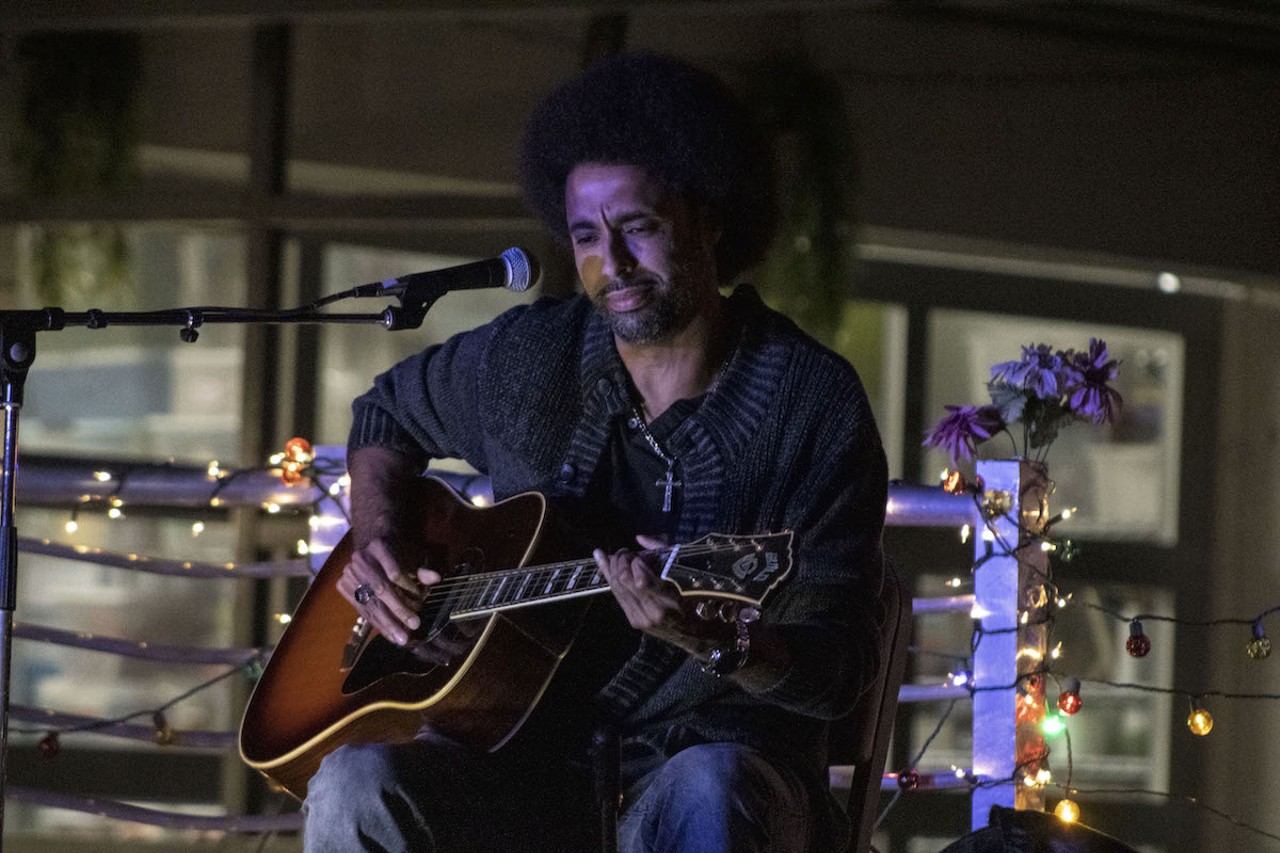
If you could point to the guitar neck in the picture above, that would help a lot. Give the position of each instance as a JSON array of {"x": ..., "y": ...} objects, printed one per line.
[
  {"x": 493, "y": 592},
  {"x": 741, "y": 568}
]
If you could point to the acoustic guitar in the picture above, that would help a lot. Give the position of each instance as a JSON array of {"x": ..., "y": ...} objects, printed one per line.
[{"x": 331, "y": 680}]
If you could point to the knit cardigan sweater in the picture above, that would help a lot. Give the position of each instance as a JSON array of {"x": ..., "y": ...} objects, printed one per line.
[{"x": 786, "y": 440}]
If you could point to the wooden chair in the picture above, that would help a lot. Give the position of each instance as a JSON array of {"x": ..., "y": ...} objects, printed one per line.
[{"x": 860, "y": 740}]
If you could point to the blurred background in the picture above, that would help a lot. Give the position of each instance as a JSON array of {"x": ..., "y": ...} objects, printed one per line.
[{"x": 960, "y": 178}]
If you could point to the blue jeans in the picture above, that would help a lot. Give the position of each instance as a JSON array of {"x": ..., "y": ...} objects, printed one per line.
[{"x": 435, "y": 796}]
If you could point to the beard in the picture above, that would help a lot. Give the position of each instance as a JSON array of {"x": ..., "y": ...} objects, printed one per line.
[{"x": 669, "y": 308}]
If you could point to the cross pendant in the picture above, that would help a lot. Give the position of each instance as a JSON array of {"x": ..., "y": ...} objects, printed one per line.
[{"x": 668, "y": 484}]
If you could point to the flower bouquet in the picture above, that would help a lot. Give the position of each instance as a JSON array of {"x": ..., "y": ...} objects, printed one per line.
[{"x": 1044, "y": 391}]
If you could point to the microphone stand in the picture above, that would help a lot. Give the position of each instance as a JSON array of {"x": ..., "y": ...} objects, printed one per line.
[{"x": 17, "y": 353}]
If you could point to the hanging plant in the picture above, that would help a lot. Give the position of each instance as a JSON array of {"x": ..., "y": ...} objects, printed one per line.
[
  {"x": 79, "y": 127},
  {"x": 806, "y": 274}
]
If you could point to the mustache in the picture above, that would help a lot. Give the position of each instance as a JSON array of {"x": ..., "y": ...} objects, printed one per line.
[{"x": 613, "y": 285}]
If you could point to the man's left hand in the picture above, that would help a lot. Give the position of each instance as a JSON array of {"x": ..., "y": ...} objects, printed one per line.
[{"x": 650, "y": 603}]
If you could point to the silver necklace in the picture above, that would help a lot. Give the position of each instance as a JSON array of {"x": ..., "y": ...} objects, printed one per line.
[{"x": 668, "y": 483}]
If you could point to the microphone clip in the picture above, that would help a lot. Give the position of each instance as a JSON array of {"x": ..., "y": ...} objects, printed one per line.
[{"x": 415, "y": 302}]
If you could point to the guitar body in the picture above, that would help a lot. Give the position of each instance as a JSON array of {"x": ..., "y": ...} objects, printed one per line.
[{"x": 307, "y": 704}]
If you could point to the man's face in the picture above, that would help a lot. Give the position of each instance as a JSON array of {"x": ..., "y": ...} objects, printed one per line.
[{"x": 645, "y": 256}]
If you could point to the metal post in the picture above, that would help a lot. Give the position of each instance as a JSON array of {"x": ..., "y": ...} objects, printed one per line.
[
  {"x": 17, "y": 352},
  {"x": 1009, "y": 602}
]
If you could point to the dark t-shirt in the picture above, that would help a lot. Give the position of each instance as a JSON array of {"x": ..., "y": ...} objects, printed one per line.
[{"x": 625, "y": 498}]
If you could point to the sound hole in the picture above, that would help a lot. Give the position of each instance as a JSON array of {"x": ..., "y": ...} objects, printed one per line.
[{"x": 382, "y": 658}]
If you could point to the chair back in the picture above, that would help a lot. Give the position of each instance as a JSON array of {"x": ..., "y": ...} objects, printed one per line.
[{"x": 861, "y": 738}]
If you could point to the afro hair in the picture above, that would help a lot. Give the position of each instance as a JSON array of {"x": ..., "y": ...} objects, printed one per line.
[{"x": 680, "y": 124}]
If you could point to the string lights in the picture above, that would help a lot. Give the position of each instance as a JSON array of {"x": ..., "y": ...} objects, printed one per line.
[
  {"x": 162, "y": 731},
  {"x": 108, "y": 491},
  {"x": 296, "y": 465},
  {"x": 1034, "y": 771}
]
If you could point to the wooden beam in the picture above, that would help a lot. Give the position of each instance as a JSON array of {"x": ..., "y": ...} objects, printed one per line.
[{"x": 290, "y": 211}]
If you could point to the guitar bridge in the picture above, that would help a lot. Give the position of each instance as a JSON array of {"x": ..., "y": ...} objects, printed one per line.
[{"x": 355, "y": 644}]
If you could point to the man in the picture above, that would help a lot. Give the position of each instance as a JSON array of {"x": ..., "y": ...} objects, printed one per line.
[{"x": 653, "y": 407}]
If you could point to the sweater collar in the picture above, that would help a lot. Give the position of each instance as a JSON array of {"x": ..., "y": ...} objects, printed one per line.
[{"x": 752, "y": 374}]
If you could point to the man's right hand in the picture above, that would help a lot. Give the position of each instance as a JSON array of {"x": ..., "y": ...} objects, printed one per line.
[
  {"x": 397, "y": 591},
  {"x": 387, "y": 559}
]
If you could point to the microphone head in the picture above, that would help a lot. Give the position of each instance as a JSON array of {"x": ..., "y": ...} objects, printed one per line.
[{"x": 522, "y": 269}]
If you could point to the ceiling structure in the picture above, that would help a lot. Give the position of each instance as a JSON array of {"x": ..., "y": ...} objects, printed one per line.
[{"x": 1137, "y": 130}]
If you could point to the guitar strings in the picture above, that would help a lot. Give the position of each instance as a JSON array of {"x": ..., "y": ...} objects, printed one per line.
[
  {"x": 548, "y": 569},
  {"x": 456, "y": 589}
]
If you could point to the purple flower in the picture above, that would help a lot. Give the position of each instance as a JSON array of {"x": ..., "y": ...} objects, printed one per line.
[
  {"x": 1041, "y": 371},
  {"x": 960, "y": 432},
  {"x": 1091, "y": 397}
]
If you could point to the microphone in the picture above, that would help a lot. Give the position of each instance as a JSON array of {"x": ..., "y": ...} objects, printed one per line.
[{"x": 515, "y": 269}]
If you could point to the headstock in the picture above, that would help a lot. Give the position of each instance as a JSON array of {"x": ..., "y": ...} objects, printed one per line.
[{"x": 740, "y": 568}]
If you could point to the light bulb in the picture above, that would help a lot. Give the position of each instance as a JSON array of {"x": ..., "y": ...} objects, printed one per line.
[
  {"x": 1259, "y": 644},
  {"x": 1139, "y": 644},
  {"x": 1069, "y": 701},
  {"x": 299, "y": 449},
  {"x": 1200, "y": 722},
  {"x": 1067, "y": 811}
]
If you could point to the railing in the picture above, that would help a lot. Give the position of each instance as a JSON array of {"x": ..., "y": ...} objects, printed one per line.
[
  {"x": 999, "y": 515},
  {"x": 1002, "y": 514}
]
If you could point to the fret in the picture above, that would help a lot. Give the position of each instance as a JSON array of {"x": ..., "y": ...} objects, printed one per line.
[
  {"x": 493, "y": 591},
  {"x": 468, "y": 597},
  {"x": 573, "y": 579},
  {"x": 504, "y": 589},
  {"x": 551, "y": 581},
  {"x": 524, "y": 585}
]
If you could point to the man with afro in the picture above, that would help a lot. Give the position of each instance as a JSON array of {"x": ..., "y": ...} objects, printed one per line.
[{"x": 654, "y": 410}]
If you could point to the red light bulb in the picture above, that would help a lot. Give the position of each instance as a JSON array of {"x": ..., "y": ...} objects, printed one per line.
[
  {"x": 298, "y": 449},
  {"x": 1139, "y": 644},
  {"x": 1069, "y": 701}
]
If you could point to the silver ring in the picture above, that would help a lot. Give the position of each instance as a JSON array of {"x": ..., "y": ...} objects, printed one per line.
[{"x": 363, "y": 594}]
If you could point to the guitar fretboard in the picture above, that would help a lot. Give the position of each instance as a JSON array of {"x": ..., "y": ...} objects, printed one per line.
[
  {"x": 478, "y": 595},
  {"x": 743, "y": 568}
]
